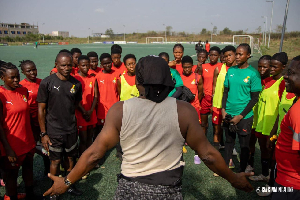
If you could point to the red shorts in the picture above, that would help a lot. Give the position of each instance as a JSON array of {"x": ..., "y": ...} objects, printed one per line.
[
  {"x": 217, "y": 116},
  {"x": 84, "y": 128},
  {"x": 20, "y": 159},
  {"x": 206, "y": 104},
  {"x": 101, "y": 122},
  {"x": 260, "y": 135}
]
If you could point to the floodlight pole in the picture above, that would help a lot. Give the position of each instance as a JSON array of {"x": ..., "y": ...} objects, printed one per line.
[
  {"x": 89, "y": 35},
  {"x": 266, "y": 25},
  {"x": 165, "y": 32},
  {"x": 284, "y": 24},
  {"x": 270, "y": 23},
  {"x": 211, "y": 32},
  {"x": 124, "y": 33},
  {"x": 43, "y": 34}
]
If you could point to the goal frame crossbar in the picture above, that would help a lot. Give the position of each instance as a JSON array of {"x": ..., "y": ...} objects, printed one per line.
[{"x": 148, "y": 39}]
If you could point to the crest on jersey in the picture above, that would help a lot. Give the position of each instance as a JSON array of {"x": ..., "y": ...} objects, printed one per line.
[
  {"x": 246, "y": 80},
  {"x": 215, "y": 118},
  {"x": 193, "y": 82},
  {"x": 115, "y": 80},
  {"x": 91, "y": 84},
  {"x": 24, "y": 98},
  {"x": 72, "y": 89}
]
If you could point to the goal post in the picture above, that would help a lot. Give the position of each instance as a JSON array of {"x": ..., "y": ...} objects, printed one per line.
[
  {"x": 238, "y": 39},
  {"x": 154, "y": 40}
]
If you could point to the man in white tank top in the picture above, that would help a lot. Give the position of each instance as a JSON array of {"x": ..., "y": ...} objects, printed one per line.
[{"x": 140, "y": 124}]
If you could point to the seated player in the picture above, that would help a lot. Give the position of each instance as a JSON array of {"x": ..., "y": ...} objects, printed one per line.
[
  {"x": 32, "y": 83},
  {"x": 76, "y": 52},
  {"x": 207, "y": 73},
  {"x": 17, "y": 144},
  {"x": 118, "y": 66},
  {"x": 107, "y": 88},
  {"x": 288, "y": 145},
  {"x": 126, "y": 83},
  {"x": 177, "y": 91},
  {"x": 86, "y": 113},
  {"x": 193, "y": 81},
  {"x": 94, "y": 69},
  {"x": 267, "y": 110}
]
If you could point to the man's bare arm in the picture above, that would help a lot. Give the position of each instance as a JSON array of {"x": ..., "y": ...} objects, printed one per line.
[
  {"x": 196, "y": 139},
  {"x": 107, "y": 139}
]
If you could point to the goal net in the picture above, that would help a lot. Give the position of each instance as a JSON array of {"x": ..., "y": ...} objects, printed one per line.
[
  {"x": 238, "y": 39},
  {"x": 150, "y": 40}
]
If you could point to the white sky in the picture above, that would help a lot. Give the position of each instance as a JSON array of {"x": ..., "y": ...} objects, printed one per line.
[{"x": 81, "y": 18}]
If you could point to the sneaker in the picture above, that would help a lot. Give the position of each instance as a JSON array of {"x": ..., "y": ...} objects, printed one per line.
[
  {"x": 249, "y": 169},
  {"x": 260, "y": 178},
  {"x": 74, "y": 191},
  {"x": 2, "y": 183},
  {"x": 19, "y": 196},
  {"x": 184, "y": 149},
  {"x": 197, "y": 160},
  {"x": 85, "y": 176},
  {"x": 231, "y": 165},
  {"x": 54, "y": 197},
  {"x": 234, "y": 152},
  {"x": 264, "y": 194}
]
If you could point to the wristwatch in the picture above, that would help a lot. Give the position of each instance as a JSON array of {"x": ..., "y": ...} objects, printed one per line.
[
  {"x": 67, "y": 182},
  {"x": 42, "y": 134}
]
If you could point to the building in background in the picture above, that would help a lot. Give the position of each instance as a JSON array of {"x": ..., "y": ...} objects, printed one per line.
[
  {"x": 64, "y": 34},
  {"x": 20, "y": 30}
]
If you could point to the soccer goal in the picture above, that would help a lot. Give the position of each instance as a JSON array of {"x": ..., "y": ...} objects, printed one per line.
[
  {"x": 238, "y": 39},
  {"x": 154, "y": 40}
]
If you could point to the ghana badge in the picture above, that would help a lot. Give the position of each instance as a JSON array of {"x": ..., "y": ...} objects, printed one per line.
[
  {"x": 72, "y": 89},
  {"x": 246, "y": 80}
]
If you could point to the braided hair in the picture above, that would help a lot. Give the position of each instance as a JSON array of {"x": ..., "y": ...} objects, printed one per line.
[
  {"x": 25, "y": 62},
  {"x": 5, "y": 66}
]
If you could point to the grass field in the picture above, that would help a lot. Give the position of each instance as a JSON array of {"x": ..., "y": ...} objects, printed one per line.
[{"x": 198, "y": 180}]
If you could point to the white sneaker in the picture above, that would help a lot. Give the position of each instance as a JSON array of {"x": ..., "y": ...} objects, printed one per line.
[
  {"x": 249, "y": 169},
  {"x": 234, "y": 152},
  {"x": 263, "y": 194},
  {"x": 260, "y": 178}
]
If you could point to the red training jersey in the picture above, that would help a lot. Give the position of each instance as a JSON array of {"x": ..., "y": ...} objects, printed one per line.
[
  {"x": 208, "y": 76},
  {"x": 207, "y": 47},
  {"x": 94, "y": 72},
  {"x": 16, "y": 124},
  {"x": 108, "y": 94},
  {"x": 88, "y": 94},
  {"x": 120, "y": 70},
  {"x": 287, "y": 149},
  {"x": 191, "y": 83},
  {"x": 32, "y": 88}
]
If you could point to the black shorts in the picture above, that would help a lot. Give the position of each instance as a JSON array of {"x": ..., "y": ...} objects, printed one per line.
[
  {"x": 63, "y": 145},
  {"x": 245, "y": 126}
]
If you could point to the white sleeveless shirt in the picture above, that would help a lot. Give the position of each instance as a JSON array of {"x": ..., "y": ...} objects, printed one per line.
[{"x": 150, "y": 137}]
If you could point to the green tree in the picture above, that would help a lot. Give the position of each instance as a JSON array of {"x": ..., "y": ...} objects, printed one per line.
[
  {"x": 258, "y": 30},
  {"x": 203, "y": 31},
  {"x": 227, "y": 31},
  {"x": 169, "y": 30},
  {"x": 278, "y": 29},
  {"x": 215, "y": 30},
  {"x": 109, "y": 32}
]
